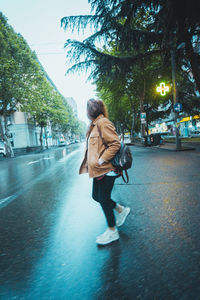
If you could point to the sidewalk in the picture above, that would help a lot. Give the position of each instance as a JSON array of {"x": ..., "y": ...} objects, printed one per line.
[{"x": 171, "y": 146}]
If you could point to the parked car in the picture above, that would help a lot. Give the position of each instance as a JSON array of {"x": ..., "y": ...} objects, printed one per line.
[
  {"x": 62, "y": 144},
  {"x": 127, "y": 140},
  {"x": 2, "y": 151}
]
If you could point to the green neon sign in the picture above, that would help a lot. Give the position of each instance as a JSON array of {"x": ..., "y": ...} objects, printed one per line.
[{"x": 162, "y": 89}]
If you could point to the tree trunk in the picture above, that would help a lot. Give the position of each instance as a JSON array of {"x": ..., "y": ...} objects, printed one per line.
[
  {"x": 142, "y": 109},
  {"x": 147, "y": 118},
  {"x": 122, "y": 138},
  {"x": 46, "y": 138},
  {"x": 193, "y": 61},
  {"x": 5, "y": 137},
  {"x": 142, "y": 98},
  {"x": 133, "y": 125},
  {"x": 41, "y": 137}
]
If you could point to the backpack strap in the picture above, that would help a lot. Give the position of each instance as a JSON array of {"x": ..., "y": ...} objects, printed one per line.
[{"x": 125, "y": 178}]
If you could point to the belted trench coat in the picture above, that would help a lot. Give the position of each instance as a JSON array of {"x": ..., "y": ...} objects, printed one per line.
[{"x": 102, "y": 142}]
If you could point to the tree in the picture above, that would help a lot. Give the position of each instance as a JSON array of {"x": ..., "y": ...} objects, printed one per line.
[
  {"x": 18, "y": 70},
  {"x": 45, "y": 106},
  {"x": 147, "y": 27},
  {"x": 71, "y": 127},
  {"x": 24, "y": 86},
  {"x": 135, "y": 93},
  {"x": 138, "y": 31},
  {"x": 82, "y": 130}
]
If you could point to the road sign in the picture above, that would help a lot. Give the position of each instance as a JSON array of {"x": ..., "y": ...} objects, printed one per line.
[
  {"x": 143, "y": 115},
  {"x": 178, "y": 107}
]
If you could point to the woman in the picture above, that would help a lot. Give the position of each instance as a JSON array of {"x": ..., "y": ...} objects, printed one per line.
[{"x": 102, "y": 145}]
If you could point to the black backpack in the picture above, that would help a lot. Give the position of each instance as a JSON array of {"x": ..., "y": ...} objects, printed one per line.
[{"x": 122, "y": 160}]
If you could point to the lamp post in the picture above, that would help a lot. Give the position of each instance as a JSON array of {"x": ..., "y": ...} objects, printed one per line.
[{"x": 173, "y": 62}]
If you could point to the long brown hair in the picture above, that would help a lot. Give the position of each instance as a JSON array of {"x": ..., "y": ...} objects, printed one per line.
[{"x": 95, "y": 108}]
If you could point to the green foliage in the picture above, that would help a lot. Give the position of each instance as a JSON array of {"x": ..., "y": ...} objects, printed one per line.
[
  {"x": 131, "y": 47},
  {"x": 18, "y": 68},
  {"x": 25, "y": 86},
  {"x": 138, "y": 30},
  {"x": 133, "y": 93}
]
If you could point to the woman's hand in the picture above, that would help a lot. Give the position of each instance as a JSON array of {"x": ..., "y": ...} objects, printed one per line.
[{"x": 101, "y": 161}]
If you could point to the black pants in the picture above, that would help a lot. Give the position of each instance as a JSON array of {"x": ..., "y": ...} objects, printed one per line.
[{"x": 101, "y": 192}]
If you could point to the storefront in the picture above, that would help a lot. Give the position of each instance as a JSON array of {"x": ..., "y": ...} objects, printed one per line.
[{"x": 190, "y": 126}]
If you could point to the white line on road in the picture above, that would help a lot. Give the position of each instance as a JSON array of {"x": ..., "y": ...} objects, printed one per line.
[
  {"x": 32, "y": 162},
  {"x": 43, "y": 158},
  {"x": 5, "y": 201}
]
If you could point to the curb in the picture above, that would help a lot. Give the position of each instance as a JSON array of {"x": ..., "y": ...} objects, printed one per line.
[
  {"x": 174, "y": 149},
  {"x": 160, "y": 147}
]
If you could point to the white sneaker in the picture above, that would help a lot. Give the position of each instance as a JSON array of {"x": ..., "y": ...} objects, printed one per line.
[
  {"x": 107, "y": 237},
  {"x": 121, "y": 217}
]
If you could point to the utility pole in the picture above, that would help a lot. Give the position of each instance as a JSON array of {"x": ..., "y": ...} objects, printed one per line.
[
  {"x": 143, "y": 123},
  {"x": 173, "y": 61}
]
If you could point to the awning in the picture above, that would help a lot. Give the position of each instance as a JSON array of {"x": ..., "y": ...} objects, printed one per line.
[{"x": 190, "y": 118}]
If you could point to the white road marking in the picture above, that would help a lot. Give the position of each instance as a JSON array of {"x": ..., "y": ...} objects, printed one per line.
[
  {"x": 42, "y": 158},
  {"x": 5, "y": 201},
  {"x": 32, "y": 162}
]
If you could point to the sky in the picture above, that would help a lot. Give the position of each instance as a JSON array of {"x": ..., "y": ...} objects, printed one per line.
[{"x": 38, "y": 21}]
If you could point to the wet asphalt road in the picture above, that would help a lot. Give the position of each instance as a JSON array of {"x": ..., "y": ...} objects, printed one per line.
[{"x": 49, "y": 223}]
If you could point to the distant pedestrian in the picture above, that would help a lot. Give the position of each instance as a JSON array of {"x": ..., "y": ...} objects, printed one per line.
[{"x": 102, "y": 145}]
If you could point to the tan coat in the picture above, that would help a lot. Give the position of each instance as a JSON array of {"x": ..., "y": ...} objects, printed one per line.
[{"x": 102, "y": 142}]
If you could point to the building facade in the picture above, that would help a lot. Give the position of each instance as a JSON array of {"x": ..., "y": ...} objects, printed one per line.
[
  {"x": 21, "y": 133},
  {"x": 73, "y": 104},
  {"x": 188, "y": 126}
]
